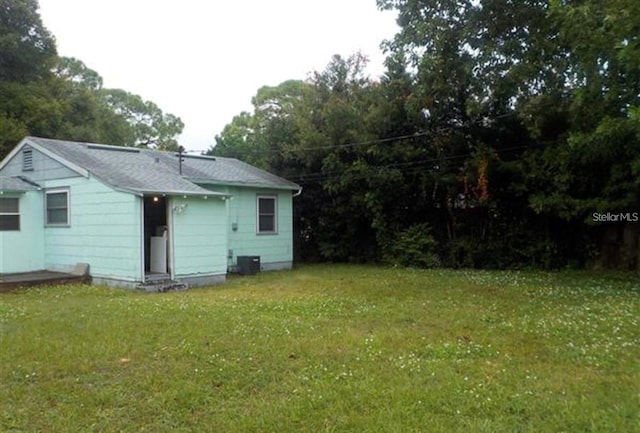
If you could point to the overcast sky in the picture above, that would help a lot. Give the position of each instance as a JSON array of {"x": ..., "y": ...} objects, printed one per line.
[{"x": 203, "y": 60}]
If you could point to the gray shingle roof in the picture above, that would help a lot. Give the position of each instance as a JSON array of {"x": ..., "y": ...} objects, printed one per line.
[
  {"x": 16, "y": 184},
  {"x": 152, "y": 171}
]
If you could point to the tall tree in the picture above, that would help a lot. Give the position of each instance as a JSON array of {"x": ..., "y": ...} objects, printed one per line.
[
  {"x": 498, "y": 128},
  {"x": 565, "y": 72},
  {"x": 46, "y": 95},
  {"x": 27, "y": 52},
  {"x": 27, "y": 49},
  {"x": 302, "y": 130},
  {"x": 150, "y": 127}
]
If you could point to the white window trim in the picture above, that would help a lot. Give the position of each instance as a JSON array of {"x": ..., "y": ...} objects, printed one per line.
[
  {"x": 13, "y": 214},
  {"x": 274, "y": 197},
  {"x": 46, "y": 208}
]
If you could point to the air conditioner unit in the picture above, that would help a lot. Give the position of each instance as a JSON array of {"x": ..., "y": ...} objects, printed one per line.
[{"x": 248, "y": 265}]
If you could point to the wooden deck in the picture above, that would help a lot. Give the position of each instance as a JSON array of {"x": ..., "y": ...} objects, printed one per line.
[{"x": 10, "y": 282}]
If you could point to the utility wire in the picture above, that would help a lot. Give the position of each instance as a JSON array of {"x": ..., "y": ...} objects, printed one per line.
[
  {"x": 381, "y": 140},
  {"x": 407, "y": 167},
  {"x": 410, "y": 166}
]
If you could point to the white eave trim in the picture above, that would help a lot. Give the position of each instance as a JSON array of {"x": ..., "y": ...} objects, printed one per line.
[
  {"x": 293, "y": 187},
  {"x": 180, "y": 193},
  {"x": 27, "y": 140}
]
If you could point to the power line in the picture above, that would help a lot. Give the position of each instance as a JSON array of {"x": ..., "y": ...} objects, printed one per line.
[
  {"x": 380, "y": 140},
  {"x": 406, "y": 167},
  {"x": 411, "y": 166}
]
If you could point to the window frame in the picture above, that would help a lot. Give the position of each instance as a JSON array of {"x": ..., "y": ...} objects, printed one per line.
[
  {"x": 273, "y": 197},
  {"x": 17, "y": 213},
  {"x": 49, "y": 192}
]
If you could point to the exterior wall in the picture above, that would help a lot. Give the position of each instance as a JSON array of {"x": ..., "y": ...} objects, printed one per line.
[
  {"x": 104, "y": 231},
  {"x": 44, "y": 168},
  {"x": 199, "y": 239},
  {"x": 275, "y": 250},
  {"x": 22, "y": 251}
]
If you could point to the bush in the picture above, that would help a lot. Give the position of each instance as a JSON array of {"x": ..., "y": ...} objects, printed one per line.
[{"x": 413, "y": 247}]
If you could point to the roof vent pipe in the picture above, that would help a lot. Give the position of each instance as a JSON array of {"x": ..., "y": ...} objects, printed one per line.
[{"x": 180, "y": 159}]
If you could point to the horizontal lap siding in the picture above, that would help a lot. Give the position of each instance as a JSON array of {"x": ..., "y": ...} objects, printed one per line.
[
  {"x": 23, "y": 251},
  {"x": 105, "y": 231},
  {"x": 199, "y": 236},
  {"x": 44, "y": 168},
  {"x": 245, "y": 241}
]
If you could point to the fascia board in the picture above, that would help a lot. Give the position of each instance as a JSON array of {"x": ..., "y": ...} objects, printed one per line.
[{"x": 293, "y": 187}]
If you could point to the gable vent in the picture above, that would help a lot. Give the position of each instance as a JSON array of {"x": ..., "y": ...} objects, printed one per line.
[{"x": 27, "y": 159}]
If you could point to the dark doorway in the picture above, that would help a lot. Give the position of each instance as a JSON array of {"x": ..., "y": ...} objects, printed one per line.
[{"x": 155, "y": 225}]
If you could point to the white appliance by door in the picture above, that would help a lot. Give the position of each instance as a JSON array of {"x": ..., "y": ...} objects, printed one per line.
[{"x": 158, "y": 262}]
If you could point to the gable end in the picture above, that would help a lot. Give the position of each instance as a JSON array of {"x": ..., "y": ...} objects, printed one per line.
[{"x": 25, "y": 157}]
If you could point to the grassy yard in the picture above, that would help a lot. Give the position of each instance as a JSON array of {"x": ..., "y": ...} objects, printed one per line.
[{"x": 328, "y": 348}]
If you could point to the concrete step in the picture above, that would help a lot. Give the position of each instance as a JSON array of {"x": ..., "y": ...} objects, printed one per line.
[{"x": 163, "y": 286}]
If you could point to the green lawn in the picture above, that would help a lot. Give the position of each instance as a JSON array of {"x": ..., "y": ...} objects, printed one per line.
[{"x": 328, "y": 348}]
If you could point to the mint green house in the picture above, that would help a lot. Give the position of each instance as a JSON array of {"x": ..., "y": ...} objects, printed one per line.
[{"x": 137, "y": 215}]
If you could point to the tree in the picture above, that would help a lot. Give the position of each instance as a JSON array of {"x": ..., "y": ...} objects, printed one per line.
[
  {"x": 498, "y": 128},
  {"x": 27, "y": 49},
  {"x": 566, "y": 73},
  {"x": 237, "y": 141},
  {"x": 301, "y": 130},
  {"x": 150, "y": 127},
  {"x": 46, "y": 95},
  {"x": 75, "y": 72}
]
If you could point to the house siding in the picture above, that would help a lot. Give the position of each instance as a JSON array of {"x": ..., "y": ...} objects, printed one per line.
[
  {"x": 104, "y": 231},
  {"x": 199, "y": 237},
  {"x": 106, "y": 225},
  {"x": 44, "y": 168},
  {"x": 275, "y": 250},
  {"x": 22, "y": 251}
]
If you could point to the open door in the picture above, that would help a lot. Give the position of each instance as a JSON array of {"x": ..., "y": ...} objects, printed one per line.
[{"x": 156, "y": 238}]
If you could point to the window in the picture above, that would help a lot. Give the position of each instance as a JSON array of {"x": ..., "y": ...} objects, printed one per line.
[
  {"x": 267, "y": 214},
  {"x": 9, "y": 214},
  {"x": 57, "y": 208},
  {"x": 27, "y": 159}
]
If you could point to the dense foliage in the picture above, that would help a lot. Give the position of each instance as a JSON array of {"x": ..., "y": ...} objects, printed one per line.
[
  {"x": 497, "y": 131},
  {"x": 46, "y": 95}
]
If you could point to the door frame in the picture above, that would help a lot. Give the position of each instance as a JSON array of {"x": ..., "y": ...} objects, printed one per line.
[{"x": 170, "y": 240}]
